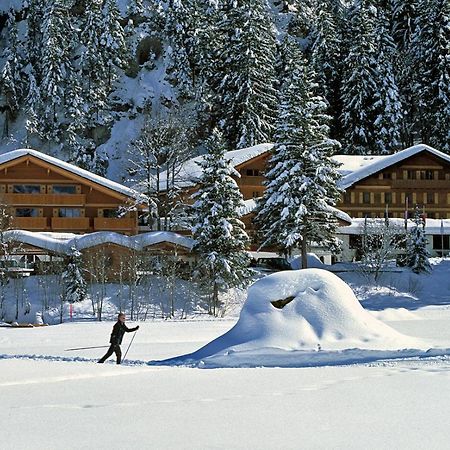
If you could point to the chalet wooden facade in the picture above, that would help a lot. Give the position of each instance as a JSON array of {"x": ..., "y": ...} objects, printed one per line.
[
  {"x": 394, "y": 185},
  {"x": 46, "y": 194}
]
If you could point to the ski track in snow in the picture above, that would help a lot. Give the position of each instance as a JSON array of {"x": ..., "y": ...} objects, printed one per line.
[{"x": 348, "y": 357}]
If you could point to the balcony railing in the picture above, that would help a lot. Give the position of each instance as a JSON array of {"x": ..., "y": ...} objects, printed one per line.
[
  {"x": 45, "y": 199},
  {"x": 29, "y": 223},
  {"x": 250, "y": 181},
  {"x": 70, "y": 223},
  {"x": 113, "y": 224}
]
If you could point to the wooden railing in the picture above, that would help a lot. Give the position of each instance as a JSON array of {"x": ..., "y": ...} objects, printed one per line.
[
  {"x": 70, "y": 223},
  {"x": 29, "y": 223},
  {"x": 45, "y": 199},
  {"x": 250, "y": 181},
  {"x": 106, "y": 223}
]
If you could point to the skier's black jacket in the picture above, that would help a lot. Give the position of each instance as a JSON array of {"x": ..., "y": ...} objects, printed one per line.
[{"x": 118, "y": 331}]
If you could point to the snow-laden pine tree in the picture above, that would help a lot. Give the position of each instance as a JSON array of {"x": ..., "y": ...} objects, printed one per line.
[
  {"x": 11, "y": 81},
  {"x": 93, "y": 64},
  {"x": 387, "y": 108},
  {"x": 220, "y": 237},
  {"x": 301, "y": 189},
  {"x": 358, "y": 82},
  {"x": 326, "y": 56},
  {"x": 74, "y": 282},
  {"x": 246, "y": 73},
  {"x": 431, "y": 60},
  {"x": 417, "y": 252},
  {"x": 403, "y": 20},
  {"x": 56, "y": 67},
  {"x": 181, "y": 33},
  {"x": 33, "y": 107},
  {"x": 112, "y": 40}
]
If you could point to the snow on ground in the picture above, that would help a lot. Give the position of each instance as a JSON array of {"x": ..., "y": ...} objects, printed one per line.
[
  {"x": 81, "y": 405},
  {"x": 51, "y": 398}
]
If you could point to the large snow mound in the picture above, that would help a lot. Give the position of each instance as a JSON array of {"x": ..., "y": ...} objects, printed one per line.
[{"x": 305, "y": 310}]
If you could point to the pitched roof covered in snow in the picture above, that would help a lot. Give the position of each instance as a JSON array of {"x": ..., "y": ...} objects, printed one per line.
[
  {"x": 89, "y": 176},
  {"x": 190, "y": 173},
  {"x": 62, "y": 243},
  {"x": 370, "y": 165}
]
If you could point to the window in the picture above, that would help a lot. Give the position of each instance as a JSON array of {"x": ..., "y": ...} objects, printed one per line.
[
  {"x": 110, "y": 213},
  {"x": 252, "y": 172},
  {"x": 411, "y": 175},
  {"x": 426, "y": 175},
  {"x": 26, "y": 189},
  {"x": 64, "y": 189},
  {"x": 69, "y": 212},
  {"x": 366, "y": 197},
  {"x": 388, "y": 198},
  {"x": 355, "y": 241},
  {"x": 27, "y": 212},
  {"x": 441, "y": 242},
  {"x": 387, "y": 175},
  {"x": 256, "y": 194},
  {"x": 430, "y": 197}
]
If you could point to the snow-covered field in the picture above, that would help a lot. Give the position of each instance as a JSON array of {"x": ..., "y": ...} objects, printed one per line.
[{"x": 54, "y": 399}]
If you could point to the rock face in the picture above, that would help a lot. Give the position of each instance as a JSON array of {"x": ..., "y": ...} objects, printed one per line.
[{"x": 307, "y": 309}]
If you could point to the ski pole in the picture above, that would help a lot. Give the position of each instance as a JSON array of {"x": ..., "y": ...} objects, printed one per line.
[
  {"x": 129, "y": 345},
  {"x": 85, "y": 348}
]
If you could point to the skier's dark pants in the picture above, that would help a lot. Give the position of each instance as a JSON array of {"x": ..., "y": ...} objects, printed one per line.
[{"x": 114, "y": 348}]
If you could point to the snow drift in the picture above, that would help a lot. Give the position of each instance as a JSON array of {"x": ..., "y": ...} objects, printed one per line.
[{"x": 306, "y": 310}]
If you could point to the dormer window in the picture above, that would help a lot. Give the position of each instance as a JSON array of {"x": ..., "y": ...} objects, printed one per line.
[
  {"x": 64, "y": 189},
  {"x": 26, "y": 189}
]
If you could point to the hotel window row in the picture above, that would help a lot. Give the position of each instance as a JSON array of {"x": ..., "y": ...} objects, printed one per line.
[
  {"x": 57, "y": 189},
  {"x": 394, "y": 198}
]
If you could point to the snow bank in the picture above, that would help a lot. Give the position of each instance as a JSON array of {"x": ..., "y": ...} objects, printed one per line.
[
  {"x": 302, "y": 312},
  {"x": 312, "y": 259}
]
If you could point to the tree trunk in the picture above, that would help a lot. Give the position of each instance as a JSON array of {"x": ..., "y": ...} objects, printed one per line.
[{"x": 304, "y": 254}]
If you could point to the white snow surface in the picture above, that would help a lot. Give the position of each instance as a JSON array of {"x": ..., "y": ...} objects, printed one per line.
[
  {"x": 52, "y": 399},
  {"x": 324, "y": 314}
]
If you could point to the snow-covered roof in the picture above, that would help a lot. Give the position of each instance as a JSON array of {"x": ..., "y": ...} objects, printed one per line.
[
  {"x": 15, "y": 154},
  {"x": 382, "y": 162},
  {"x": 190, "y": 172},
  {"x": 432, "y": 226},
  {"x": 62, "y": 243},
  {"x": 351, "y": 163}
]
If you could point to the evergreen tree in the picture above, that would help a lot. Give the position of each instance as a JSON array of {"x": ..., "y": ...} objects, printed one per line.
[
  {"x": 387, "y": 107},
  {"x": 326, "y": 57},
  {"x": 93, "y": 64},
  {"x": 56, "y": 67},
  {"x": 432, "y": 87},
  {"x": 404, "y": 14},
  {"x": 296, "y": 207},
  {"x": 358, "y": 83},
  {"x": 246, "y": 74},
  {"x": 112, "y": 41},
  {"x": 75, "y": 284},
  {"x": 219, "y": 234},
  {"x": 417, "y": 252},
  {"x": 11, "y": 83},
  {"x": 33, "y": 107}
]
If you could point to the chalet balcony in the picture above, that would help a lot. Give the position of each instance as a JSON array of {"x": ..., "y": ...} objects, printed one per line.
[
  {"x": 114, "y": 224},
  {"x": 29, "y": 223},
  {"x": 45, "y": 199},
  {"x": 420, "y": 184},
  {"x": 70, "y": 223},
  {"x": 250, "y": 181}
]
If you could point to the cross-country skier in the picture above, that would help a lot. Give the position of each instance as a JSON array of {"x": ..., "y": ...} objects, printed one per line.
[{"x": 118, "y": 331}]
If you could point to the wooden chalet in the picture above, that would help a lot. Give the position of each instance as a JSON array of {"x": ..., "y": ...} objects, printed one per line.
[
  {"x": 393, "y": 185},
  {"x": 47, "y": 194}
]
